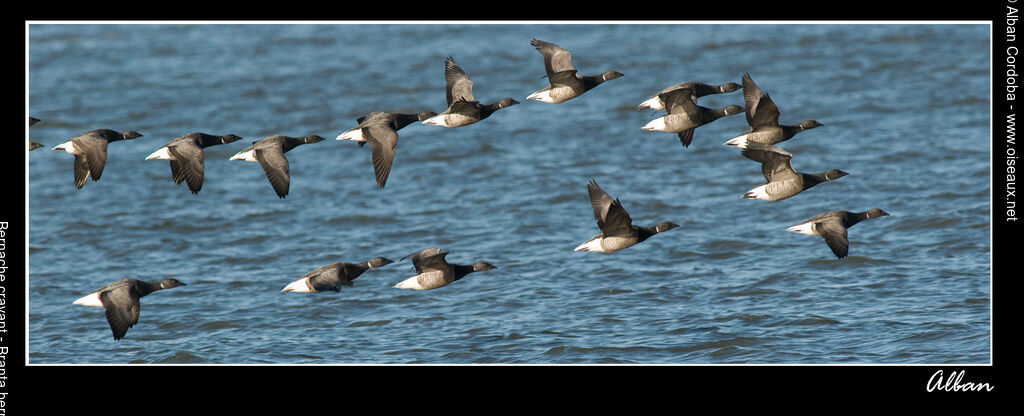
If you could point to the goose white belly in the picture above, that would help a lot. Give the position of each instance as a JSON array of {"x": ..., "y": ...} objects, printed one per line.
[
  {"x": 68, "y": 146},
  {"x": 738, "y": 141},
  {"x": 355, "y": 135},
  {"x": 803, "y": 228},
  {"x": 450, "y": 120},
  {"x": 300, "y": 285},
  {"x": 552, "y": 95},
  {"x": 161, "y": 153},
  {"x": 246, "y": 155},
  {"x": 653, "y": 103},
  {"x": 761, "y": 192},
  {"x": 92, "y": 299},
  {"x": 600, "y": 244},
  {"x": 542, "y": 95},
  {"x": 410, "y": 283},
  {"x": 423, "y": 281}
]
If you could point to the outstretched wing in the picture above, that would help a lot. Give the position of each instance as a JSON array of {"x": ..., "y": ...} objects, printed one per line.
[
  {"x": 276, "y": 167},
  {"x": 776, "y": 164},
  {"x": 187, "y": 165},
  {"x": 556, "y": 58},
  {"x": 121, "y": 309},
  {"x": 611, "y": 217},
  {"x": 428, "y": 260},
  {"x": 383, "y": 141},
  {"x": 94, "y": 146},
  {"x": 457, "y": 83},
  {"x": 680, "y": 101},
  {"x": 835, "y": 236},
  {"x": 760, "y": 109},
  {"x": 329, "y": 277}
]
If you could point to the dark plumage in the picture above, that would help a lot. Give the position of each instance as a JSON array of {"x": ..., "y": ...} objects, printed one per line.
[
  {"x": 832, "y": 227},
  {"x": 380, "y": 129},
  {"x": 617, "y": 229},
  {"x": 564, "y": 82},
  {"x": 763, "y": 118},
  {"x": 463, "y": 109},
  {"x": 684, "y": 115},
  {"x": 120, "y": 300},
  {"x": 269, "y": 152},
  {"x": 333, "y": 276},
  {"x": 185, "y": 154},
  {"x": 90, "y": 150},
  {"x": 434, "y": 271},
  {"x": 31, "y": 144},
  {"x": 700, "y": 89},
  {"x": 782, "y": 180}
]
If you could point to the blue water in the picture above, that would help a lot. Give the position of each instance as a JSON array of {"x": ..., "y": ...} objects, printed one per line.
[{"x": 905, "y": 112}]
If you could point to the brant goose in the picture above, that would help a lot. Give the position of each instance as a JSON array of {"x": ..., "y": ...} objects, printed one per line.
[
  {"x": 763, "y": 118},
  {"x": 269, "y": 152},
  {"x": 832, "y": 227},
  {"x": 120, "y": 300},
  {"x": 186, "y": 156},
  {"x": 565, "y": 83},
  {"x": 617, "y": 229},
  {"x": 684, "y": 115},
  {"x": 700, "y": 89},
  {"x": 381, "y": 130},
  {"x": 463, "y": 109},
  {"x": 782, "y": 181},
  {"x": 433, "y": 271},
  {"x": 90, "y": 150},
  {"x": 31, "y": 144},
  {"x": 333, "y": 276}
]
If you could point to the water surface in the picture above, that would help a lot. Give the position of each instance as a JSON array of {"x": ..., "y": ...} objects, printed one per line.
[{"x": 729, "y": 286}]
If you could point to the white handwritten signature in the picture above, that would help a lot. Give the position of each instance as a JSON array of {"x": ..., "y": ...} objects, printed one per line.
[{"x": 953, "y": 383}]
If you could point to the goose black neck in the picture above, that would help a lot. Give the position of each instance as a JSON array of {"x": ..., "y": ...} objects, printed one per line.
[
  {"x": 461, "y": 271},
  {"x": 790, "y": 131},
  {"x": 487, "y": 110},
  {"x": 402, "y": 120},
  {"x": 855, "y": 217},
  {"x": 145, "y": 288},
  {"x": 811, "y": 179},
  {"x": 643, "y": 233}
]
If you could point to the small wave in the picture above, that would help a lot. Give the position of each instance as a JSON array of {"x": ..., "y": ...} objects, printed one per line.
[
  {"x": 750, "y": 292},
  {"x": 218, "y": 325},
  {"x": 360, "y": 324},
  {"x": 813, "y": 321},
  {"x": 362, "y": 219},
  {"x": 182, "y": 357}
]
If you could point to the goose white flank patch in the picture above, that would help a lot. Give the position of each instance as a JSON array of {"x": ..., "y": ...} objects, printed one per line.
[
  {"x": 617, "y": 229},
  {"x": 463, "y": 109},
  {"x": 355, "y": 134},
  {"x": 90, "y": 151},
  {"x": 380, "y": 129},
  {"x": 185, "y": 154},
  {"x": 269, "y": 153},
  {"x": 434, "y": 271},
  {"x": 781, "y": 180},
  {"x": 763, "y": 119},
  {"x": 120, "y": 301},
  {"x": 832, "y": 227},
  {"x": 563, "y": 81},
  {"x": 333, "y": 276},
  {"x": 700, "y": 89}
]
